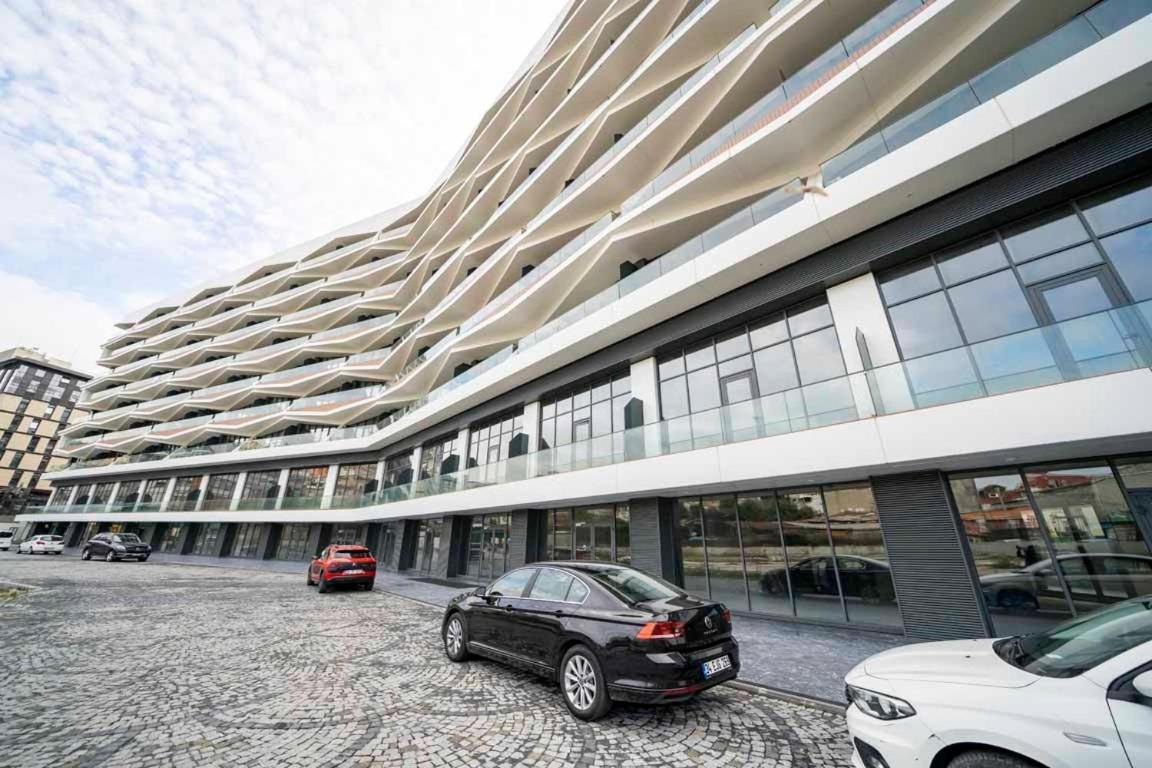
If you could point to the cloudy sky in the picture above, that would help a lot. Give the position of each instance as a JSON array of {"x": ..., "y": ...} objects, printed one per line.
[{"x": 147, "y": 144}]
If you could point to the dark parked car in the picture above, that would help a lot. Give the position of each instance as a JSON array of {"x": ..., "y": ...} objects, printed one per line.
[
  {"x": 863, "y": 577},
  {"x": 115, "y": 546},
  {"x": 605, "y": 632}
]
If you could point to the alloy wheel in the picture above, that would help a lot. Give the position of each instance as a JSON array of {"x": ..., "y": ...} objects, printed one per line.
[
  {"x": 580, "y": 682},
  {"x": 455, "y": 637}
]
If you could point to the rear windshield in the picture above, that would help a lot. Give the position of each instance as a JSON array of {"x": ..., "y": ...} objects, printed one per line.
[
  {"x": 632, "y": 586},
  {"x": 5, "y": 534},
  {"x": 51, "y": 538},
  {"x": 350, "y": 553}
]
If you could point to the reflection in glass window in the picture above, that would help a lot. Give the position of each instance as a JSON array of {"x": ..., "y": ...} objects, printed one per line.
[
  {"x": 991, "y": 306},
  {"x": 185, "y": 493},
  {"x": 218, "y": 494},
  {"x": 294, "y": 540},
  {"x": 306, "y": 482},
  {"x": 1044, "y": 234},
  {"x": 591, "y": 411},
  {"x": 488, "y": 546},
  {"x": 247, "y": 540},
  {"x": 440, "y": 458},
  {"x": 781, "y": 553},
  {"x": 207, "y": 539},
  {"x": 598, "y": 533},
  {"x": 925, "y": 325},
  {"x": 354, "y": 481},
  {"x": 551, "y": 585},
  {"x": 260, "y": 490},
  {"x": 1131, "y": 254},
  {"x": 172, "y": 536},
  {"x": 496, "y": 440}
]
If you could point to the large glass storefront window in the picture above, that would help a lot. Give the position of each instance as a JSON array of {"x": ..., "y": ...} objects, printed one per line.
[
  {"x": 1052, "y": 542},
  {"x": 496, "y": 440},
  {"x": 427, "y": 545},
  {"x": 293, "y": 543},
  {"x": 813, "y": 553},
  {"x": 305, "y": 486},
  {"x": 218, "y": 494},
  {"x": 488, "y": 546},
  {"x": 207, "y": 539},
  {"x": 592, "y": 411},
  {"x": 1076, "y": 261},
  {"x": 247, "y": 541},
  {"x": 171, "y": 538},
  {"x": 344, "y": 533},
  {"x": 353, "y": 483},
  {"x": 152, "y": 495},
  {"x": 185, "y": 493},
  {"x": 588, "y": 533},
  {"x": 398, "y": 470},
  {"x": 440, "y": 458}
]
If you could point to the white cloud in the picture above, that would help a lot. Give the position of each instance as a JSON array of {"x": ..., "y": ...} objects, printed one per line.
[
  {"x": 148, "y": 144},
  {"x": 60, "y": 323}
]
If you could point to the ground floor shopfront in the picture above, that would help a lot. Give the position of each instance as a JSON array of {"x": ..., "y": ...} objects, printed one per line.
[{"x": 988, "y": 551}]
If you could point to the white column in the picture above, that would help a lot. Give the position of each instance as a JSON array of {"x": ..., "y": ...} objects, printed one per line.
[
  {"x": 203, "y": 492},
  {"x": 645, "y": 383},
  {"x": 866, "y": 341},
  {"x": 238, "y": 491},
  {"x": 329, "y": 486},
  {"x": 417, "y": 455},
  {"x": 462, "y": 446},
  {"x": 532, "y": 433},
  {"x": 113, "y": 496},
  {"x": 167, "y": 494},
  {"x": 379, "y": 476},
  {"x": 283, "y": 488},
  {"x": 72, "y": 494}
]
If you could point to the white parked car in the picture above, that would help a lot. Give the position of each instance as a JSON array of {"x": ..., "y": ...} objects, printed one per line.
[
  {"x": 42, "y": 544},
  {"x": 1078, "y": 695},
  {"x": 6, "y": 540}
]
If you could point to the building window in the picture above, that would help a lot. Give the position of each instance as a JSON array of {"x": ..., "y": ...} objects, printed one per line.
[
  {"x": 218, "y": 494},
  {"x": 440, "y": 458},
  {"x": 294, "y": 541},
  {"x": 32, "y": 445},
  {"x": 152, "y": 495},
  {"x": 752, "y": 375},
  {"x": 589, "y": 533},
  {"x": 398, "y": 470},
  {"x": 101, "y": 494},
  {"x": 171, "y": 538},
  {"x": 427, "y": 545},
  {"x": 349, "y": 534},
  {"x": 592, "y": 411},
  {"x": 207, "y": 539},
  {"x": 261, "y": 490},
  {"x": 185, "y": 493},
  {"x": 354, "y": 482},
  {"x": 813, "y": 553},
  {"x": 1068, "y": 266},
  {"x": 497, "y": 440},
  {"x": 488, "y": 546},
  {"x": 1053, "y": 542},
  {"x": 247, "y": 541},
  {"x": 305, "y": 486}
]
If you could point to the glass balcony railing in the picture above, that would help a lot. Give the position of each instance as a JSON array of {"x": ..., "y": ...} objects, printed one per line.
[
  {"x": 1097, "y": 344},
  {"x": 1095, "y": 24}
]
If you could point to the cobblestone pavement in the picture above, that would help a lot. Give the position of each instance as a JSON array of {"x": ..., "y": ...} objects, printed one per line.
[{"x": 149, "y": 664}]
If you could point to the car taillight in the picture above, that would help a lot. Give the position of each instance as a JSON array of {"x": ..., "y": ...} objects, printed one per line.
[
  {"x": 661, "y": 630},
  {"x": 727, "y": 616}
]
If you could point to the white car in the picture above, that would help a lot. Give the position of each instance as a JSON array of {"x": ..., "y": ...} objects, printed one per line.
[
  {"x": 6, "y": 540},
  {"x": 1078, "y": 695},
  {"x": 42, "y": 544}
]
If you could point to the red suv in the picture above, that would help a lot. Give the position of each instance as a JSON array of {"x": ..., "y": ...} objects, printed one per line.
[{"x": 343, "y": 564}]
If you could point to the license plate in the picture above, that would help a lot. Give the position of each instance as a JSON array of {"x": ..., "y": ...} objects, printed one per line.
[
  {"x": 353, "y": 572},
  {"x": 718, "y": 664}
]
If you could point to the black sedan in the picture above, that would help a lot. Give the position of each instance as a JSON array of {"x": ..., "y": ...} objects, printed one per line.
[
  {"x": 605, "y": 632},
  {"x": 115, "y": 546}
]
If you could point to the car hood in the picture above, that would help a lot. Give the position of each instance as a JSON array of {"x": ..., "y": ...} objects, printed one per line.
[{"x": 971, "y": 662}]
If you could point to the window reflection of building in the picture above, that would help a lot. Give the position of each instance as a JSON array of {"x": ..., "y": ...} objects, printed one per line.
[
  {"x": 815, "y": 553},
  {"x": 599, "y": 533},
  {"x": 1050, "y": 543},
  {"x": 488, "y": 546}
]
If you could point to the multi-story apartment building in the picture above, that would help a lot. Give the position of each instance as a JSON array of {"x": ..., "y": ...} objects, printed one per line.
[
  {"x": 38, "y": 397},
  {"x": 838, "y": 311}
]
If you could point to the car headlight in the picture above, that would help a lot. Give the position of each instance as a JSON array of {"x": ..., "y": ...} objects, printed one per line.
[
  {"x": 118, "y": 547},
  {"x": 878, "y": 705}
]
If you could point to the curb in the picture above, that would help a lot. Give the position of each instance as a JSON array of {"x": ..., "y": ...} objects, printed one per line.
[{"x": 801, "y": 699}]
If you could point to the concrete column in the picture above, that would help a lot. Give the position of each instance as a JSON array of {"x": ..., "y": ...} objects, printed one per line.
[
  {"x": 866, "y": 343},
  {"x": 112, "y": 497},
  {"x": 646, "y": 388},
  {"x": 462, "y": 445},
  {"x": 167, "y": 494},
  {"x": 329, "y": 486},
  {"x": 283, "y": 488},
  {"x": 526, "y": 538},
  {"x": 238, "y": 491},
  {"x": 203, "y": 492}
]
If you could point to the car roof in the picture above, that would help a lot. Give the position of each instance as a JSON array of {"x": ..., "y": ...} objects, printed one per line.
[{"x": 586, "y": 566}]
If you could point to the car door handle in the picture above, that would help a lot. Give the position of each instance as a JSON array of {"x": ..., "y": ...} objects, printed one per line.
[{"x": 507, "y": 608}]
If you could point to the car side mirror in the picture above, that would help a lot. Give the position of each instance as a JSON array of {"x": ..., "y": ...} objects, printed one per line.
[
  {"x": 478, "y": 592},
  {"x": 1143, "y": 684}
]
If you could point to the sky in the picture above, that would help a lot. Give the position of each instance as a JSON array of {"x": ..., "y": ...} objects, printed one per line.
[{"x": 147, "y": 145}]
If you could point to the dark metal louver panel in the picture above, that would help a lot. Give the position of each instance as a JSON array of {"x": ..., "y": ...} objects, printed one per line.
[{"x": 934, "y": 582}]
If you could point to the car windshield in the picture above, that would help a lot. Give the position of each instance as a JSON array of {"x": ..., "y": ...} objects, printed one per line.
[
  {"x": 128, "y": 538},
  {"x": 632, "y": 586},
  {"x": 5, "y": 534},
  {"x": 1076, "y": 646}
]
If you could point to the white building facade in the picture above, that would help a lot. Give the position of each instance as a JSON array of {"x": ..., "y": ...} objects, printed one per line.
[{"x": 836, "y": 310}]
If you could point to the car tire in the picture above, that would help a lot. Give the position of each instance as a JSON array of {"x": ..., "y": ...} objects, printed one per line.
[
  {"x": 982, "y": 758},
  {"x": 110, "y": 557},
  {"x": 308, "y": 578},
  {"x": 1017, "y": 601},
  {"x": 582, "y": 684},
  {"x": 370, "y": 586},
  {"x": 322, "y": 584},
  {"x": 85, "y": 554},
  {"x": 456, "y": 639}
]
